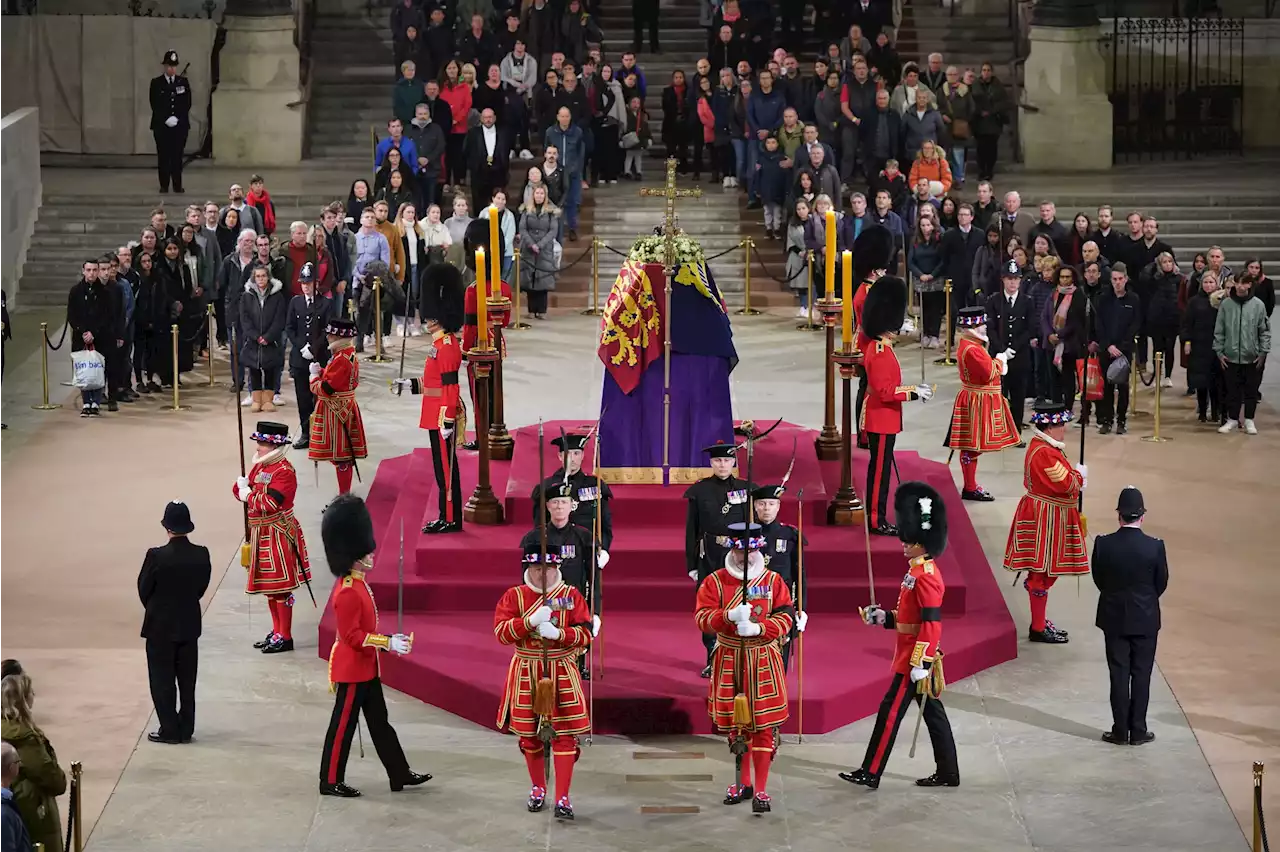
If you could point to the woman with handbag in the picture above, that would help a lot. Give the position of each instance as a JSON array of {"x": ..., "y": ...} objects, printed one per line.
[
  {"x": 40, "y": 779},
  {"x": 955, "y": 103},
  {"x": 1062, "y": 334},
  {"x": 1116, "y": 326},
  {"x": 926, "y": 264}
]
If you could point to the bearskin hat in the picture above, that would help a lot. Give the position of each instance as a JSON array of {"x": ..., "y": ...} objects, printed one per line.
[
  {"x": 921, "y": 517},
  {"x": 477, "y": 236},
  {"x": 442, "y": 296},
  {"x": 886, "y": 306},
  {"x": 347, "y": 533},
  {"x": 871, "y": 251}
]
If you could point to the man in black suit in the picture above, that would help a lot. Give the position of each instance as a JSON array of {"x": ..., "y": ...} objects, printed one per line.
[
  {"x": 487, "y": 159},
  {"x": 304, "y": 325},
  {"x": 1131, "y": 574},
  {"x": 172, "y": 581},
  {"x": 170, "y": 123},
  {"x": 1009, "y": 327},
  {"x": 959, "y": 247}
]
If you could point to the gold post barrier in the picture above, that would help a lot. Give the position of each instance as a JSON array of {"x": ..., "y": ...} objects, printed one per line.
[
  {"x": 45, "y": 405},
  {"x": 515, "y": 301},
  {"x": 209, "y": 344},
  {"x": 1155, "y": 436},
  {"x": 378, "y": 356},
  {"x": 594, "y": 310},
  {"x": 808, "y": 325},
  {"x": 177, "y": 403},
  {"x": 1135, "y": 382},
  {"x": 747, "y": 244},
  {"x": 77, "y": 817},
  {"x": 946, "y": 360},
  {"x": 1258, "y": 769}
]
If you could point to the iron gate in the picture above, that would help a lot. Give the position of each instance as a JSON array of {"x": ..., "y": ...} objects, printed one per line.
[{"x": 1177, "y": 88}]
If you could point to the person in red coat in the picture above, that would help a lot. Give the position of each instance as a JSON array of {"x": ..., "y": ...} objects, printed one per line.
[
  {"x": 981, "y": 421},
  {"x": 337, "y": 429},
  {"x": 748, "y": 608},
  {"x": 871, "y": 253},
  {"x": 354, "y": 667},
  {"x": 442, "y": 413},
  {"x": 544, "y": 614},
  {"x": 477, "y": 236},
  {"x": 881, "y": 418},
  {"x": 1047, "y": 536},
  {"x": 917, "y": 655},
  {"x": 278, "y": 562}
]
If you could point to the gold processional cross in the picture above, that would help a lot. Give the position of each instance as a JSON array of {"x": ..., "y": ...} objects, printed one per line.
[{"x": 670, "y": 192}]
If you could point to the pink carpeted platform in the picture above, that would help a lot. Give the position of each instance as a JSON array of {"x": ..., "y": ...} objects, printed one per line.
[{"x": 652, "y": 651}]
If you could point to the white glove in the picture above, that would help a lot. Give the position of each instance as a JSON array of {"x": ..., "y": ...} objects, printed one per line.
[
  {"x": 446, "y": 432},
  {"x": 693, "y": 575},
  {"x": 171, "y": 121},
  {"x": 918, "y": 673},
  {"x": 908, "y": 327},
  {"x": 1008, "y": 354},
  {"x": 802, "y": 620},
  {"x": 747, "y": 629},
  {"x": 924, "y": 392},
  {"x": 874, "y": 615},
  {"x": 595, "y": 626},
  {"x": 739, "y": 613},
  {"x": 1003, "y": 360},
  {"x": 1084, "y": 469},
  {"x": 399, "y": 644},
  {"x": 602, "y": 558},
  {"x": 242, "y": 482},
  {"x": 549, "y": 631},
  {"x": 540, "y": 616},
  {"x": 407, "y": 384},
  {"x": 306, "y": 352},
  {"x": 315, "y": 369},
  {"x": 242, "y": 493}
]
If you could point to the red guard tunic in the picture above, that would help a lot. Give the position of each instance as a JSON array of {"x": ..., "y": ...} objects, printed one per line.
[
  {"x": 354, "y": 655},
  {"x": 861, "y": 341},
  {"x": 511, "y": 626},
  {"x": 882, "y": 411},
  {"x": 980, "y": 421},
  {"x": 918, "y": 616},
  {"x": 470, "y": 329},
  {"x": 337, "y": 430},
  {"x": 1046, "y": 536},
  {"x": 766, "y": 686},
  {"x": 278, "y": 561},
  {"x": 439, "y": 385}
]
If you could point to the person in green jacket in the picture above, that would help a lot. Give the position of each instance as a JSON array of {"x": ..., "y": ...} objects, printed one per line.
[
  {"x": 1241, "y": 340},
  {"x": 407, "y": 93},
  {"x": 40, "y": 780}
]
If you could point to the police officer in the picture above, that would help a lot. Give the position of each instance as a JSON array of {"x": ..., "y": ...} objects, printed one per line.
[{"x": 170, "y": 106}]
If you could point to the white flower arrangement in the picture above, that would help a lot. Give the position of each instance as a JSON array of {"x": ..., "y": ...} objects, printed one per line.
[{"x": 652, "y": 249}]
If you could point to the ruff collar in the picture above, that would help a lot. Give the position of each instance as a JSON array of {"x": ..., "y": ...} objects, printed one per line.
[
  {"x": 754, "y": 565},
  {"x": 1062, "y": 445}
]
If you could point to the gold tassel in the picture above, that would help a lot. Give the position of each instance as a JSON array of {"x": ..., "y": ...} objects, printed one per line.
[
  {"x": 1084, "y": 526},
  {"x": 937, "y": 680},
  {"x": 544, "y": 697},
  {"x": 244, "y": 555},
  {"x": 741, "y": 711}
]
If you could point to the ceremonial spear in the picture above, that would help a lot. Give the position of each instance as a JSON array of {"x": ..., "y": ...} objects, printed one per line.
[
  {"x": 800, "y": 602},
  {"x": 235, "y": 371},
  {"x": 544, "y": 692}
]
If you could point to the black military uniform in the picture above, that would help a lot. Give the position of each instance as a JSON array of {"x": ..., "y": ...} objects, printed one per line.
[
  {"x": 571, "y": 544},
  {"x": 585, "y": 491},
  {"x": 304, "y": 326},
  {"x": 714, "y": 504},
  {"x": 782, "y": 555},
  {"x": 170, "y": 122}
]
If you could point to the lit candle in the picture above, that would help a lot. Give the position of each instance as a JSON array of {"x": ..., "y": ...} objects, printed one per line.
[
  {"x": 482, "y": 299},
  {"x": 846, "y": 291},
  {"x": 495, "y": 250},
  {"x": 831, "y": 254}
]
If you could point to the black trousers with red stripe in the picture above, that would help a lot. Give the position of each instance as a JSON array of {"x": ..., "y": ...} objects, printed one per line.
[
  {"x": 350, "y": 701},
  {"x": 444, "y": 457},
  {"x": 879, "y": 469},
  {"x": 892, "y": 709}
]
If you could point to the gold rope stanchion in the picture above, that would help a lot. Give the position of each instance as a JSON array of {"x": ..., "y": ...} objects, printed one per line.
[
  {"x": 1135, "y": 382},
  {"x": 378, "y": 356},
  {"x": 77, "y": 816},
  {"x": 594, "y": 310},
  {"x": 177, "y": 403},
  {"x": 1258, "y": 769},
  {"x": 808, "y": 325},
  {"x": 1155, "y": 437},
  {"x": 515, "y": 302},
  {"x": 747, "y": 244},
  {"x": 45, "y": 405},
  {"x": 946, "y": 360},
  {"x": 210, "y": 342}
]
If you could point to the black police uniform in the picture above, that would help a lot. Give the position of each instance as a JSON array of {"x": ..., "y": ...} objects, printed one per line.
[{"x": 170, "y": 97}]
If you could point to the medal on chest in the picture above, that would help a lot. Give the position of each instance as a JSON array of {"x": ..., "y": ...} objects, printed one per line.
[
  {"x": 560, "y": 604},
  {"x": 909, "y": 581},
  {"x": 263, "y": 477},
  {"x": 758, "y": 598},
  {"x": 735, "y": 498},
  {"x": 568, "y": 551},
  {"x": 431, "y": 351}
]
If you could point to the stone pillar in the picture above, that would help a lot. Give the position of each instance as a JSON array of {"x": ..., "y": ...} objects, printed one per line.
[
  {"x": 253, "y": 124},
  {"x": 1068, "y": 124}
]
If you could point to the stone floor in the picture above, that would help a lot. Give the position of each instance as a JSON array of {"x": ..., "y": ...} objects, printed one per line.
[{"x": 84, "y": 499}]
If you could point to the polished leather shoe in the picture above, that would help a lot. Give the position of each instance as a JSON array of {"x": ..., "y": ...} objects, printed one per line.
[
  {"x": 413, "y": 779},
  {"x": 1050, "y": 627},
  {"x": 936, "y": 780},
  {"x": 761, "y": 804},
  {"x": 1047, "y": 637},
  {"x": 1142, "y": 739},
  {"x": 885, "y": 528},
  {"x": 278, "y": 646},
  {"x": 1115, "y": 739},
  {"x": 978, "y": 495},
  {"x": 448, "y": 527},
  {"x": 340, "y": 790},
  {"x": 564, "y": 809},
  {"x": 862, "y": 778},
  {"x": 433, "y": 527},
  {"x": 470, "y": 445},
  {"x": 264, "y": 642},
  {"x": 537, "y": 799},
  {"x": 705, "y": 673},
  {"x": 302, "y": 443},
  {"x": 157, "y": 737},
  {"x": 737, "y": 793}
]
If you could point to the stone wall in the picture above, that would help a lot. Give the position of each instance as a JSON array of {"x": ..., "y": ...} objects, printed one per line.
[{"x": 20, "y": 156}]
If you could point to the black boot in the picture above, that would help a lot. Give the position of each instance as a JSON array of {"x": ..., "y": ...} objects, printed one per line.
[
  {"x": 340, "y": 790},
  {"x": 861, "y": 777},
  {"x": 939, "y": 780},
  {"x": 737, "y": 793},
  {"x": 259, "y": 645},
  {"x": 413, "y": 779},
  {"x": 278, "y": 646}
]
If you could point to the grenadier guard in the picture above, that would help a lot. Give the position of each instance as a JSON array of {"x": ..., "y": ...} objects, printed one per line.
[
  {"x": 747, "y": 609},
  {"x": 545, "y": 613},
  {"x": 337, "y": 429},
  {"x": 587, "y": 491},
  {"x": 1047, "y": 539},
  {"x": 981, "y": 421},
  {"x": 715, "y": 502},
  {"x": 354, "y": 666},
  {"x": 882, "y": 317},
  {"x": 170, "y": 98},
  {"x": 477, "y": 236},
  {"x": 442, "y": 413},
  {"x": 781, "y": 552},
  {"x": 917, "y": 656},
  {"x": 872, "y": 251},
  {"x": 278, "y": 562}
]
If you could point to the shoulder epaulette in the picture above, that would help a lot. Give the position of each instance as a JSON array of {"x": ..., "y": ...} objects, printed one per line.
[
  {"x": 880, "y": 346},
  {"x": 347, "y": 581},
  {"x": 928, "y": 567}
]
